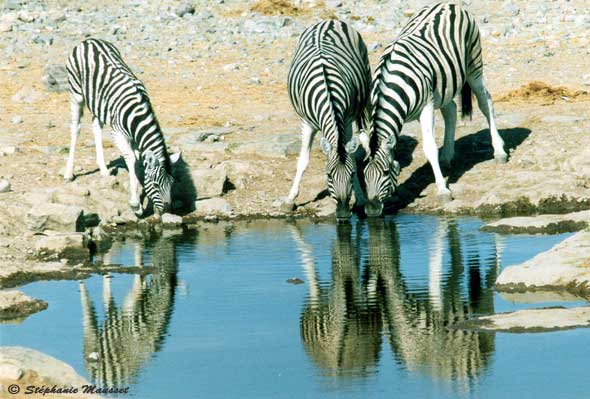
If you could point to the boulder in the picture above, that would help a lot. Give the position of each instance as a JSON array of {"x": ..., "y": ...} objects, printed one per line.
[
  {"x": 14, "y": 305},
  {"x": 531, "y": 320},
  {"x": 36, "y": 368},
  {"x": 57, "y": 217},
  {"x": 70, "y": 246},
  {"x": 541, "y": 224},
  {"x": 212, "y": 206},
  {"x": 209, "y": 182},
  {"x": 169, "y": 219},
  {"x": 276, "y": 146},
  {"x": 565, "y": 266}
]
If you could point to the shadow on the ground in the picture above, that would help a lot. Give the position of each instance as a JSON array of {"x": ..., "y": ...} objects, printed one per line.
[{"x": 469, "y": 151}]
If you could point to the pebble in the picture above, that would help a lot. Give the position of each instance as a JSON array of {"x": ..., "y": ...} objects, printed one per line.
[
  {"x": 16, "y": 119},
  {"x": 4, "y": 186}
]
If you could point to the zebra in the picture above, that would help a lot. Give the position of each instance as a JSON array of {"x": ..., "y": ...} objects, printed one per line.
[
  {"x": 436, "y": 56},
  {"x": 329, "y": 85},
  {"x": 99, "y": 78}
]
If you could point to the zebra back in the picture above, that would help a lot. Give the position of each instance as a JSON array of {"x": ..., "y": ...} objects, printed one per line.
[
  {"x": 99, "y": 76},
  {"x": 434, "y": 54},
  {"x": 329, "y": 79}
]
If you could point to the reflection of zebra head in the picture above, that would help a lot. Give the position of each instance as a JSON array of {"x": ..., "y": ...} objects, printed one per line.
[
  {"x": 417, "y": 326},
  {"x": 340, "y": 328},
  {"x": 116, "y": 349}
]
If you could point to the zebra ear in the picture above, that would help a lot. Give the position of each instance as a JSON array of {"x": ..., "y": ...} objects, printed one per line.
[
  {"x": 352, "y": 145},
  {"x": 150, "y": 160},
  {"x": 326, "y": 147},
  {"x": 174, "y": 158},
  {"x": 390, "y": 143}
]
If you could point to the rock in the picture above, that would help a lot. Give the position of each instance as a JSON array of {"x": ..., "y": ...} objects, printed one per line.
[
  {"x": 8, "y": 150},
  {"x": 531, "y": 320},
  {"x": 4, "y": 186},
  {"x": 209, "y": 182},
  {"x": 184, "y": 9},
  {"x": 27, "y": 17},
  {"x": 171, "y": 219},
  {"x": 40, "y": 369},
  {"x": 212, "y": 206},
  {"x": 69, "y": 246},
  {"x": 55, "y": 78},
  {"x": 231, "y": 67},
  {"x": 14, "y": 305},
  {"x": 542, "y": 224},
  {"x": 57, "y": 217},
  {"x": 565, "y": 266},
  {"x": 325, "y": 207},
  {"x": 10, "y": 372},
  {"x": 277, "y": 146},
  {"x": 16, "y": 119}
]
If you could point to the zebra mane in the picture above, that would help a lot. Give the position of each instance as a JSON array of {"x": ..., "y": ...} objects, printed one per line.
[{"x": 338, "y": 122}]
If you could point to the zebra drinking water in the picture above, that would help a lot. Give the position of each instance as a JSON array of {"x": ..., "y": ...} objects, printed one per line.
[
  {"x": 99, "y": 78},
  {"x": 328, "y": 85},
  {"x": 436, "y": 56}
]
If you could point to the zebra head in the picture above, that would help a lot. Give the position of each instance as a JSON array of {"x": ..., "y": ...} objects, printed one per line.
[
  {"x": 381, "y": 173},
  {"x": 340, "y": 167},
  {"x": 158, "y": 180}
]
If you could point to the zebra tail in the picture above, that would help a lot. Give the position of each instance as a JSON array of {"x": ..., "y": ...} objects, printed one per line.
[
  {"x": 337, "y": 123},
  {"x": 466, "y": 101}
]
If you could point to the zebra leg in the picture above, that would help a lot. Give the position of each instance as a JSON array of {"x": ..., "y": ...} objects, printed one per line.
[
  {"x": 97, "y": 130},
  {"x": 125, "y": 147},
  {"x": 484, "y": 101},
  {"x": 307, "y": 134},
  {"x": 431, "y": 150},
  {"x": 449, "y": 113},
  {"x": 76, "y": 108}
]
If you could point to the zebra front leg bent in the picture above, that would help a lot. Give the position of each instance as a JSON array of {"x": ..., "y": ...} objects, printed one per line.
[
  {"x": 447, "y": 154},
  {"x": 97, "y": 130},
  {"x": 431, "y": 150},
  {"x": 77, "y": 109},
  {"x": 125, "y": 147},
  {"x": 307, "y": 134},
  {"x": 484, "y": 101}
]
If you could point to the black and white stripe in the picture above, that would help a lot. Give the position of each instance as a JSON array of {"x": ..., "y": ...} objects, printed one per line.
[
  {"x": 436, "y": 56},
  {"x": 100, "y": 78},
  {"x": 328, "y": 83}
]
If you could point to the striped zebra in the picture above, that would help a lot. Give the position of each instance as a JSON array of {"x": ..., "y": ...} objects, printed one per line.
[
  {"x": 328, "y": 83},
  {"x": 436, "y": 56},
  {"x": 99, "y": 78}
]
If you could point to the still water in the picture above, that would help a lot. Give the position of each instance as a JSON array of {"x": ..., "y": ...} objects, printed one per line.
[{"x": 220, "y": 320}]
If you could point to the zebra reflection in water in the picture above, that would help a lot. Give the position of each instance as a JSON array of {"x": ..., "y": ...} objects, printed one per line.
[
  {"x": 116, "y": 349},
  {"x": 417, "y": 326},
  {"x": 342, "y": 325}
]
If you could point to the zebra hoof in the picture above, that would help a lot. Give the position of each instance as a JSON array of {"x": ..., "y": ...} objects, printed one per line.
[
  {"x": 137, "y": 209},
  {"x": 68, "y": 179},
  {"x": 445, "y": 198},
  {"x": 502, "y": 158}
]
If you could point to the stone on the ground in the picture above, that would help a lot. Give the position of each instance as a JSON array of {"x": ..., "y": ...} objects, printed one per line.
[
  {"x": 70, "y": 246},
  {"x": 565, "y": 266},
  {"x": 16, "y": 306},
  {"x": 4, "y": 186},
  {"x": 531, "y": 320},
  {"x": 37, "y": 368},
  {"x": 171, "y": 219},
  {"x": 55, "y": 78},
  {"x": 209, "y": 182},
  {"x": 212, "y": 206},
  {"x": 55, "y": 217},
  {"x": 275, "y": 146},
  {"x": 541, "y": 224}
]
